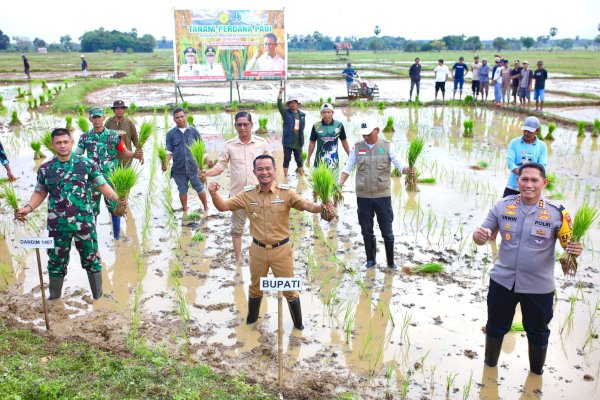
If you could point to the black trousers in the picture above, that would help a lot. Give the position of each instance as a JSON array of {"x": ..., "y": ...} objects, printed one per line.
[
  {"x": 367, "y": 209},
  {"x": 536, "y": 310},
  {"x": 287, "y": 156}
]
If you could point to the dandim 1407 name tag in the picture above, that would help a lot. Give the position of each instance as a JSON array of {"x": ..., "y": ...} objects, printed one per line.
[
  {"x": 280, "y": 284},
  {"x": 37, "y": 242}
]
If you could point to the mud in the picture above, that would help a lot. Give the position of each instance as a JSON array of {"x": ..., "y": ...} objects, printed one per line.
[
  {"x": 366, "y": 331},
  {"x": 577, "y": 113}
]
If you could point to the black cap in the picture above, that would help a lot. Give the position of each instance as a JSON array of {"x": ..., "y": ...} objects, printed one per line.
[
  {"x": 189, "y": 50},
  {"x": 118, "y": 103}
]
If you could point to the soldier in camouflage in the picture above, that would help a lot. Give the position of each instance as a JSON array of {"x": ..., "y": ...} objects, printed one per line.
[
  {"x": 6, "y": 164},
  {"x": 68, "y": 180},
  {"x": 102, "y": 145}
]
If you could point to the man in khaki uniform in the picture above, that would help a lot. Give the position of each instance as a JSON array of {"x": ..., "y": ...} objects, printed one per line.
[
  {"x": 240, "y": 152},
  {"x": 268, "y": 205},
  {"x": 119, "y": 123}
]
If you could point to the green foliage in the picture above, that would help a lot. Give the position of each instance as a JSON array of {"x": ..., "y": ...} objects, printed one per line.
[
  {"x": 551, "y": 128},
  {"x": 193, "y": 216},
  {"x": 69, "y": 122},
  {"x": 14, "y": 118},
  {"x": 100, "y": 39},
  {"x": 42, "y": 99},
  {"x": 80, "y": 110},
  {"x": 414, "y": 150},
  {"x": 262, "y": 125},
  {"x": 47, "y": 142},
  {"x": 44, "y": 85},
  {"x": 322, "y": 181},
  {"x": 83, "y": 123},
  {"x": 36, "y": 146},
  {"x": 585, "y": 217},
  {"x": 483, "y": 164},
  {"x": 426, "y": 180},
  {"x": 30, "y": 104},
  {"x": 198, "y": 237},
  {"x": 49, "y": 95},
  {"x": 1, "y": 100},
  {"x": 396, "y": 173},
  {"x": 389, "y": 125},
  {"x": 304, "y": 156},
  {"x": 198, "y": 150},
  {"x": 580, "y": 129},
  {"x": 234, "y": 105},
  {"x": 469, "y": 100},
  {"x": 190, "y": 120},
  {"x": 123, "y": 179},
  {"x": 10, "y": 196},
  {"x": 595, "y": 131},
  {"x": 162, "y": 155},
  {"x": 131, "y": 109},
  {"x": 186, "y": 106},
  {"x": 145, "y": 133},
  {"x": 429, "y": 268},
  {"x": 468, "y": 128},
  {"x": 381, "y": 105},
  {"x": 20, "y": 93},
  {"x": 552, "y": 181}
]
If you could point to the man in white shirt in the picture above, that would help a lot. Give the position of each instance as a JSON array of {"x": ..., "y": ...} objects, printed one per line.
[
  {"x": 270, "y": 60},
  {"x": 441, "y": 74},
  {"x": 191, "y": 66},
  {"x": 475, "y": 81}
]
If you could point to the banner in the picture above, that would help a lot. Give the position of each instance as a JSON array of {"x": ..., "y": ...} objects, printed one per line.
[{"x": 213, "y": 45}]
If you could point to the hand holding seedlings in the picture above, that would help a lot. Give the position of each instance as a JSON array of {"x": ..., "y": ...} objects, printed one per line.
[
  {"x": 213, "y": 187},
  {"x": 574, "y": 248},
  {"x": 22, "y": 213},
  {"x": 482, "y": 235}
]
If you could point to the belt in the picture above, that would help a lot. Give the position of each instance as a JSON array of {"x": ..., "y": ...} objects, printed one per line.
[{"x": 271, "y": 246}]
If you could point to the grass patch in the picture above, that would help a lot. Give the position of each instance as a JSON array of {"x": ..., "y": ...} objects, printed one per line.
[{"x": 37, "y": 368}]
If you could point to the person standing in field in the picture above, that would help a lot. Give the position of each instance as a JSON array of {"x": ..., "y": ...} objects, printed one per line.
[
  {"x": 515, "y": 74},
  {"x": 184, "y": 170},
  {"x": 125, "y": 127},
  {"x": 497, "y": 80},
  {"x": 26, "y": 66},
  {"x": 484, "y": 79},
  {"x": 415, "y": 77},
  {"x": 506, "y": 82},
  {"x": 524, "y": 270},
  {"x": 526, "y": 81},
  {"x": 540, "y": 75},
  {"x": 349, "y": 73},
  {"x": 374, "y": 158},
  {"x": 240, "y": 153},
  {"x": 325, "y": 134},
  {"x": 294, "y": 121},
  {"x": 459, "y": 71},
  {"x": 84, "y": 67},
  {"x": 441, "y": 73},
  {"x": 69, "y": 181},
  {"x": 268, "y": 204},
  {"x": 475, "y": 81}
]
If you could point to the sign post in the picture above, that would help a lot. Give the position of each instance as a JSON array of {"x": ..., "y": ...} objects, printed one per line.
[
  {"x": 280, "y": 285},
  {"x": 38, "y": 243}
]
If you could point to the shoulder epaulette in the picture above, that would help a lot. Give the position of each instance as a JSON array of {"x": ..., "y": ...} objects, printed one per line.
[
  {"x": 283, "y": 186},
  {"x": 248, "y": 188}
]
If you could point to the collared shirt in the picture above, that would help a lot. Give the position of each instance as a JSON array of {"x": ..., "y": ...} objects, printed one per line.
[
  {"x": 475, "y": 68},
  {"x": 131, "y": 136},
  {"x": 520, "y": 153},
  {"x": 177, "y": 145},
  {"x": 241, "y": 156},
  {"x": 351, "y": 163},
  {"x": 101, "y": 148},
  {"x": 268, "y": 212},
  {"x": 526, "y": 257},
  {"x": 268, "y": 63}
]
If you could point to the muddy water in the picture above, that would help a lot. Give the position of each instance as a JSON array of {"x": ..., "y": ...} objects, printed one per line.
[
  {"x": 577, "y": 113},
  {"x": 360, "y": 325}
]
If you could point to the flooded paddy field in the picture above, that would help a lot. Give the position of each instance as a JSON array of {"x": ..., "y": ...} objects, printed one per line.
[{"x": 374, "y": 333}]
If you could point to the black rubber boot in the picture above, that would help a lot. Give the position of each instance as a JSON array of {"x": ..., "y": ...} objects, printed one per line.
[
  {"x": 55, "y": 288},
  {"x": 493, "y": 346},
  {"x": 296, "y": 313},
  {"x": 253, "y": 309},
  {"x": 95, "y": 279},
  {"x": 389, "y": 254},
  {"x": 370, "y": 251},
  {"x": 537, "y": 358}
]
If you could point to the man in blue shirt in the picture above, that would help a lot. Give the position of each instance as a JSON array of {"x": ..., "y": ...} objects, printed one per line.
[
  {"x": 459, "y": 70},
  {"x": 523, "y": 150},
  {"x": 349, "y": 73},
  {"x": 484, "y": 79}
]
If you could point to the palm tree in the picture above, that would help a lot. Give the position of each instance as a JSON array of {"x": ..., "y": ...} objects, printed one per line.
[
  {"x": 377, "y": 30},
  {"x": 553, "y": 32}
]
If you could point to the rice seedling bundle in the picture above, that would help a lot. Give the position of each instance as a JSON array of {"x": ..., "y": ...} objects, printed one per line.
[
  {"x": 552, "y": 180},
  {"x": 66, "y": 83},
  {"x": 389, "y": 125},
  {"x": 595, "y": 131},
  {"x": 580, "y": 129},
  {"x": 262, "y": 125},
  {"x": 47, "y": 142},
  {"x": 42, "y": 99},
  {"x": 69, "y": 122},
  {"x": 44, "y": 85},
  {"x": 480, "y": 165},
  {"x": 468, "y": 128},
  {"x": 190, "y": 120},
  {"x": 186, "y": 106},
  {"x": 304, "y": 156},
  {"x": 322, "y": 182},
  {"x": 585, "y": 217},
  {"x": 517, "y": 327},
  {"x": 193, "y": 216},
  {"x": 396, "y": 173},
  {"x": 198, "y": 150},
  {"x": 161, "y": 152},
  {"x": 83, "y": 123},
  {"x": 30, "y": 104},
  {"x": 132, "y": 109},
  {"x": 14, "y": 118},
  {"x": 381, "y": 105},
  {"x": 539, "y": 135},
  {"x": 80, "y": 110},
  {"x": 414, "y": 150},
  {"x": 469, "y": 100},
  {"x": 10, "y": 196},
  {"x": 429, "y": 268},
  {"x": 49, "y": 95},
  {"x": 1, "y": 100},
  {"x": 145, "y": 133},
  {"x": 198, "y": 237},
  {"x": 426, "y": 180},
  {"x": 36, "y": 146},
  {"x": 123, "y": 179},
  {"x": 20, "y": 93},
  {"x": 551, "y": 128}
]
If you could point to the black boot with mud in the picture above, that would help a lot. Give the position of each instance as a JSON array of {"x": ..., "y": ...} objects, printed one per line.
[
  {"x": 493, "y": 346},
  {"x": 370, "y": 250},
  {"x": 389, "y": 254},
  {"x": 537, "y": 358},
  {"x": 296, "y": 313},
  {"x": 55, "y": 288},
  {"x": 95, "y": 279},
  {"x": 253, "y": 309}
]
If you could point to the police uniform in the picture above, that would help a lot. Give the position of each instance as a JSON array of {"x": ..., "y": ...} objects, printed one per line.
[
  {"x": 269, "y": 214},
  {"x": 71, "y": 217},
  {"x": 524, "y": 272}
]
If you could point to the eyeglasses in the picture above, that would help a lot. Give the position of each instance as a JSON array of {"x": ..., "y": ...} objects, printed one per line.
[
  {"x": 243, "y": 125},
  {"x": 270, "y": 44}
]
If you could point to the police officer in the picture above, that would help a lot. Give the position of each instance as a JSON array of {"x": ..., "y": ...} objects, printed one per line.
[
  {"x": 524, "y": 271},
  {"x": 373, "y": 158},
  {"x": 68, "y": 180},
  {"x": 102, "y": 145},
  {"x": 268, "y": 207}
]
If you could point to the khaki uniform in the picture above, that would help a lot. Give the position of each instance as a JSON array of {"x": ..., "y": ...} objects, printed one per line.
[
  {"x": 269, "y": 214},
  {"x": 130, "y": 137}
]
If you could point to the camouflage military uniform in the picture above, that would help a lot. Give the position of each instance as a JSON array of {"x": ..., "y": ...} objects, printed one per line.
[
  {"x": 3, "y": 158},
  {"x": 102, "y": 149},
  {"x": 70, "y": 187}
]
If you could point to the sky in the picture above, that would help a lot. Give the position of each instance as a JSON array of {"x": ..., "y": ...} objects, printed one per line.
[{"x": 429, "y": 19}]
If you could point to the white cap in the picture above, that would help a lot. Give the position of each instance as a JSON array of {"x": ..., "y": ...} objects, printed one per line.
[
  {"x": 82, "y": 56},
  {"x": 367, "y": 125},
  {"x": 531, "y": 124},
  {"x": 327, "y": 106}
]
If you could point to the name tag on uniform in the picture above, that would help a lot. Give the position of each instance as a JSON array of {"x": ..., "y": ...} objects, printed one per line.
[
  {"x": 278, "y": 201},
  {"x": 253, "y": 203}
]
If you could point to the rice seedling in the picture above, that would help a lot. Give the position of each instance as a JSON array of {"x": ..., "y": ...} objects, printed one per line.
[
  {"x": 329, "y": 100},
  {"x": 396, "y": 173},
  {"x": 322, "y": 181},
  {"x": 406, "y": 321},
  {"x": 131, "y": 109},
  {"x": 389, "y": 373},
  {"x": 378, "y": 357},
  {"x": 30, "y": 104},
  {"x": 69, "y": 122},
  {"x": 198, "y": 237},
  {"x": 467, "y": 387},
  {"x": 585, "y": 217},
  {"x": 468, "y": 128},
  {"x": 304, "y": 157},
  {"x": 80, "y": 110},
  {"x": 1, "y": 100},
  {"x": 429, "y": 268},
  {"x": 262, "y": 125},
  {"x": 321, "y": 101},
  {"x": 592, "y": 332},
  {"x": 389, "y": 125},
  {"x": 569, "y": 316},
  {"x": 49, "y": 95},
  {"x": 14, "y": 119},
  {"x": 234, "y": 105},
  {"x": 44, "y": 85},
  {"x": 198, "y": 150},
  {"x": 366, "y": 344},
  {"x": 83, "y": 123},
  {"x": 539, "y": 135},
  {"x": 551, "y": 128},
  {"x": 57, "y": 89},
  {"x": 552, "y": 181},
  {"x": 186, "y": 106},
  {"x": 10, "y": 196},
  {"x": 47, "y": 142},
  {"x": 414, "y": 150},
  {"x": 66, "y": 83},
  {"x": 161, "y": 152},
  {"x": 193, "y": 216},
  {"x": 381, "y": 106},
  {"x": 35, "y": 104},
  {"x": 190, "y": 120},
  {"x": 145, "y": 133},
  {"x": 348, "y": 322},
  {"x": 123, "y": 179},
  {"x": 405, "y": 384},
  {"x": 580, "y": 129},
  {"x": 517, "y": 327},
  {"x": 426, "y": 180},
  {"x": 469, "y": 100},
  {"x": 450, "y": 382},
  {"x": 595, "y": 130},
  {"x": 42, "y": 99},
  {"x": 20, "y": 93},
  {"x": 36, "y": 146}
]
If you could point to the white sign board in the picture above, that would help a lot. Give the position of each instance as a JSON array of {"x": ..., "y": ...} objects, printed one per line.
[
  {"x": 37, "y": 242},
  {"x": 280, "y": 284}
]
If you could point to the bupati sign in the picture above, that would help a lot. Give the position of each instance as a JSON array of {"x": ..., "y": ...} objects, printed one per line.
[{"x": 280, "y": 284}]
